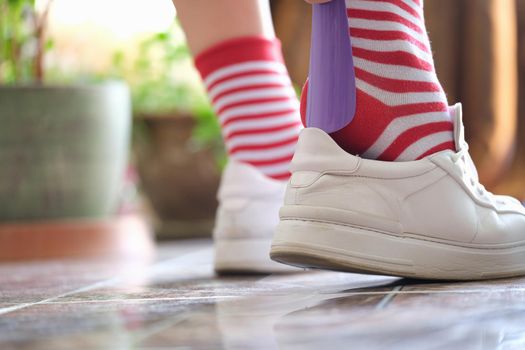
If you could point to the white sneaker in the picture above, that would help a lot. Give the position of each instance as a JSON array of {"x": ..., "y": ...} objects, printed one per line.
[
  {"x": 425, "y": 219},
  {"x": 248, "y": 213}
]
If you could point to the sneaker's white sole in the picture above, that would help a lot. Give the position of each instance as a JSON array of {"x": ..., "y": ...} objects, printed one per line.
[
  {"x": 245, "y": 256},
  {"x": 327, "y": 245}
]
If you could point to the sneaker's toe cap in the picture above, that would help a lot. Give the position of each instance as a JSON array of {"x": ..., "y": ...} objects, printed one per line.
[{"x": 501, "y": 228}]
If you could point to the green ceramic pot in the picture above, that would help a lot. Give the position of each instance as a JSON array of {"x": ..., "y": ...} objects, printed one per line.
[{"x": 63, "y": 150}]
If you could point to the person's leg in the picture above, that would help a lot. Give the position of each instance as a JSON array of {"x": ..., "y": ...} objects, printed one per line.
[
  {"x": 401, "y": 110},
  {"x": 207, "y": 23},
  {"x": 241, "y": 64}
]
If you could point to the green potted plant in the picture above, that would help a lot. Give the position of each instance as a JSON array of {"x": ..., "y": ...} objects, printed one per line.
[
  {"x": 63, "y": 148},
  {"x": 178, "y": 144}
]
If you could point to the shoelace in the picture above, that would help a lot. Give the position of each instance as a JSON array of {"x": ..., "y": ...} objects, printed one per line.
[{"x": 460, "y": 159}]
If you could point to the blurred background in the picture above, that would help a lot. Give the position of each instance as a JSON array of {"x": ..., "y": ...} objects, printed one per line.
[{"x": 74, "y": 162}]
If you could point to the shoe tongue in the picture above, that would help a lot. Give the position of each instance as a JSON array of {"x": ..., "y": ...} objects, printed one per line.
[{"x": 456, "y": 113}]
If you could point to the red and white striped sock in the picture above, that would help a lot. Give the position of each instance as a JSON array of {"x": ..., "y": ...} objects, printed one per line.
[
  {"x": 252, "y": 94},
  {"x": 402, "y": 111}
]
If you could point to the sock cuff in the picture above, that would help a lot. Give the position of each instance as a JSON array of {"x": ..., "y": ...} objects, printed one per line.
[{"x": 238, "y": 50}]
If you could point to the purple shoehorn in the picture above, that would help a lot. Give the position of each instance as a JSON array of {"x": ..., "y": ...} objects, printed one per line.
[{"x": 331, "y": 101}]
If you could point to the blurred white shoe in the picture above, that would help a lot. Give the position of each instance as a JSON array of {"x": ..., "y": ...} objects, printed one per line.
[
  {"x": 428, "y": 218},
  {"x": 246, "y": 219}
]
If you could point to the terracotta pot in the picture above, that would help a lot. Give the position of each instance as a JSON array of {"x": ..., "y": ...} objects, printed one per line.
[
  {"x": 179, "y": 179},
  {"x": 122, "y": 238}
]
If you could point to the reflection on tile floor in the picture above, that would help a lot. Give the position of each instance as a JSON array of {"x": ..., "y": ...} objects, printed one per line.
[{"x": 176, "y": 301}]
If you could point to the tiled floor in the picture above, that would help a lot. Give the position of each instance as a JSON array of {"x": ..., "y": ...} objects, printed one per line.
[{"x": 177, "y": 302}]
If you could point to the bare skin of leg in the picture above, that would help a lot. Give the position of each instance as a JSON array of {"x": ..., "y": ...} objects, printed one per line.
[{"x": 208, "y": 22}]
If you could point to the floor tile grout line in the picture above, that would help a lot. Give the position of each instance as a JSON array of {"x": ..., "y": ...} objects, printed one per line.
[
  {"x": 396, "y": 291},
  {"x": 432, "y": 291},
  {"x": 104, "y": 283},
  {"x": 388, "y": 298},
  {"x": 138, "y": 300}
]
